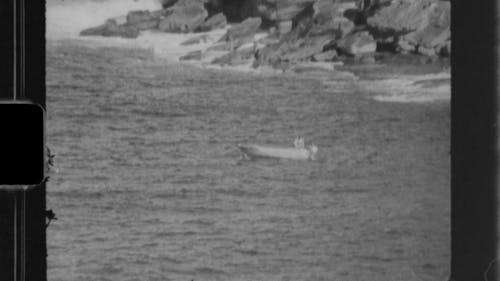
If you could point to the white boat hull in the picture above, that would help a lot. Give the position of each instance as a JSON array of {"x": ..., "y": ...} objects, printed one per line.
[{"x": 252, "y": 151}]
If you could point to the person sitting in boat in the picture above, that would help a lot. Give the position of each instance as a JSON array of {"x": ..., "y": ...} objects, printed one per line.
[
  {"x": 298, "y": 142},
  {"x": 312, "y": 151}
]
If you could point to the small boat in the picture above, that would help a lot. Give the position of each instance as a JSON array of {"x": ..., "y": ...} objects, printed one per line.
[{"x": 268, "y": 151}]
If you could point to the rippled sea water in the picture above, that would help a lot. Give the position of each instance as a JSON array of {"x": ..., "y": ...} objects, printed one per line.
[{"x": 148, "y": 183}]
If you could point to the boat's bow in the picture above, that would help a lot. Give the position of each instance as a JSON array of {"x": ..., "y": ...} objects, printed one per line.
[{"x": 254, "y": 150}]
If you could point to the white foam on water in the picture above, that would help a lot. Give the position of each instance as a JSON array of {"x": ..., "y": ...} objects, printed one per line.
[
  {"x": 169, "y": 45},
  {"x": 65, "y": 19},
  {"x": 409, "y": 88}
]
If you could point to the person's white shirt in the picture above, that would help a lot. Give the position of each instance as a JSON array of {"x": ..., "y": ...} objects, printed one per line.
[{"x": 299, "y": 142}]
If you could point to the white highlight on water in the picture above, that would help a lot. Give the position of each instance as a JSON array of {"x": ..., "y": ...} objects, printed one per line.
[{"x": 409, "y": 88}]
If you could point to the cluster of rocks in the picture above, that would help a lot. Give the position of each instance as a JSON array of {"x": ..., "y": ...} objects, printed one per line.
[
  {"x": 299, "y": 30},
  {"x": 180, "y": 16}
]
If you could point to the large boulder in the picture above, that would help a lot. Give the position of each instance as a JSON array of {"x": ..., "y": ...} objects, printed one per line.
[
  {"x": 338, "y": 27},
  {"x": 298, "y": 45},
  {"x": 214, "y": 22},
  {"x": 183, "y": 16},
  {"x": 358, "y": 43},
  {"x": 414, "y": 24},
  {"x": 328, "y": 18},
  {"x": 289, "y": 9},
  {"x": 326, "y": 10},
  {"x": 436, "y": 31},
  {"x": 325, "y": 56},
  {"x": 167, "y": 3},
  {"x": 111, "y": 28},
  {"x": 402, "y": 16},
  {"x": 196, "y": 40},
  {"x": 240, "y": 34},
  {"x": 271, "y": 54},
  {"x": 274, "y": 10},
  {"x": 285, "y": 26},
  {"x": 144, "y": 20},
  {"x": 370, "y": 5},
  {"x": 194, "y": 55},
  {"x": 306, "y": 48}
]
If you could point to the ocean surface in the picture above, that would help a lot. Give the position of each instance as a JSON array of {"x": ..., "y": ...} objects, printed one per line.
[{"x": 148, "y": 183}]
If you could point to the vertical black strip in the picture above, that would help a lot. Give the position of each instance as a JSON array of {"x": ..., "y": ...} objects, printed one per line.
[
  {"x": 7, "y": 55},
  {"x": 7, "y": 49},
  {"x": 474, "y": 159},
  {"x": 35, "y": 52},
  {"x": 36, "y": 247}
]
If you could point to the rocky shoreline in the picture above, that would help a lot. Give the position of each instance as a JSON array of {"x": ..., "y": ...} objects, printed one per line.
[{"x": 284, "y": 33}]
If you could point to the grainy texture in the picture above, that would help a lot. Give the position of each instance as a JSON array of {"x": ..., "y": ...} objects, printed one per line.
[{"x": 149, "y": 185}]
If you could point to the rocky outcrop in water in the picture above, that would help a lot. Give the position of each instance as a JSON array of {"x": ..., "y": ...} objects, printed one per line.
[
  {"x": 112, "y": 28},
  {"x": 214, "y": 22},
  {"x": 183, "y": 16},
  {"x": 275, "y": 10},
  {"x": 239, "y": 34},
  {"x": 316, "y": 31},
  {"x": 236, "y": 57},
  {"x": 413, "y": 25},
  {"x": 358, "y": 43},
  {"x": 298, "y": 30},
  {"x": 194, "y": 55}
]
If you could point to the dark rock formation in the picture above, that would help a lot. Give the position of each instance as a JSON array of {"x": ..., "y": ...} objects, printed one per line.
[
  {"x": 194, "y": 55},
  {"x": 240, "y": 34},
  {"x": 325, "y": 56},
  {"x": 402, "y": 16},
  {"x": 144, "y": 20},
  {"x": 183, "y": 16},
  {"x": 214, "y": 22},
  {"x": 357, "y": 43},
  {"x": 272, "y": 54},
  {"x": 275, "y": 10},
  {"x": 111, "y": 28},
  {"x": 289, "y": 9},
  {"x": 306, "y": 48},
  {"x": 367, "y": 59},
  {"x": 299, "y": 29},
  {"x": 414, "y": 25},
  {"x": 329, "y": 18},
  {"x": 236, "y": 57},
  {"x": 167, "y": 3},
  {"x": 316, "y": 31},
  {"x": 196, "y": 40},
  {"x": 325, "y": 10}
]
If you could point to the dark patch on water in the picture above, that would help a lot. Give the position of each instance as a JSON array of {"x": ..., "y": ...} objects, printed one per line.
[
  {"x": 243, "y": 193},
  {"x": 248, "y": 252},
  {"x": 170, "y": 260},
  {"x": 348, "y": 190},
  {"x": 209, "y": 270},
  {"x": 374, "y": 258},
  {"x": 199, "y": 222},
  {"x": 174, "y": 234},
  {"x": 77, "y": 194}
]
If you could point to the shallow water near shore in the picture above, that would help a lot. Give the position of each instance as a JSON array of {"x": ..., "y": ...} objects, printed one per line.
[{"x": 148, "y": 184}]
